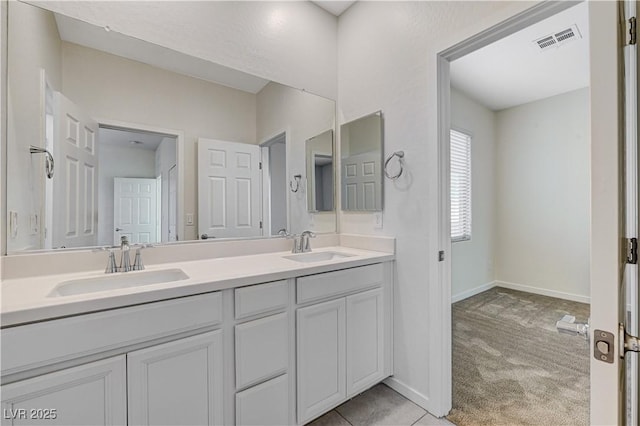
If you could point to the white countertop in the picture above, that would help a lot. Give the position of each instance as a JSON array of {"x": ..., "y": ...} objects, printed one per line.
[{"x": 27, "y": 300}]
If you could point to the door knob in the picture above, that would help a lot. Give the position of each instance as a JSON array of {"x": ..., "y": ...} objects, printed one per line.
[
  {"x": 204, "y": 236},
  {"x": 119, "y": 229}
]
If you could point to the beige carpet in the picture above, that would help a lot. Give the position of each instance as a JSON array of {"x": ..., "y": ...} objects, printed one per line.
[{"x": 511, "y": 366}]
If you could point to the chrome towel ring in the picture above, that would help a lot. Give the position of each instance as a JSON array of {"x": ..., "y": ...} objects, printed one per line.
[
  {"x": 49, "y": 159},
  {"x": 400, "y": 155}
]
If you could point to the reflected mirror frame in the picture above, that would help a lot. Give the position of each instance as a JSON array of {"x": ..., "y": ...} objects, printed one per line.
[
  {"x": 378, "y": 171},
  {"x": 310, "y": 171},
  {"x": 3, "y": 152}
]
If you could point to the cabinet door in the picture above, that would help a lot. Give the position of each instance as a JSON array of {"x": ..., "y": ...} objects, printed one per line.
[
  {"x": 365, "y": 337},
  {"x": 177, "y": 383},
  {"x": 320, "y": 358},
  {"x": 90, "y": 394},
  {"x": 265, "y": 404}
]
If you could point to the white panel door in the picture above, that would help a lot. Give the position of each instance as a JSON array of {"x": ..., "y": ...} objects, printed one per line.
[
  {"x": 177, "y": 383},
  {"x": 229, "y": 189},
  {"x": 362, "y": 180},
  {"x": 321, "y": 358},
  {"x": 365, "y": 341},
  {"x": 135, "y": 210},
  {"x": 75, "y": 180},
  {"x": 91, "y": 394}
]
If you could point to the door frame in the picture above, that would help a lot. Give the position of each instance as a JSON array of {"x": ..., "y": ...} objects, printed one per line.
[
  {"x": 605, "y": 174},
  {"x": 180, "y": 157},
  {"x": 265, "y": 155}
]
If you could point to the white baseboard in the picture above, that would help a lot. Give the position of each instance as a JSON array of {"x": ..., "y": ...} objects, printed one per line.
[
  {"x": 411, "y": 394},
  {"x": 472, "y": 292},
  {"x": 544, "y": 292}
]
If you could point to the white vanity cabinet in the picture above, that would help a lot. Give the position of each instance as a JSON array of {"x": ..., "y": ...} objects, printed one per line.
[
  {"x": 90, "y": 394},
  {"x": 177, "y": 383},
  {"x": 157, "y": 376},
  {"x": 343, "y": 344},
  {"x": 262, "y": 348}
]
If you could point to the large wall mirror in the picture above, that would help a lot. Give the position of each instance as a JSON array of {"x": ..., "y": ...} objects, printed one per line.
[
  {"x": 111, "y": 136},
  {"x": 361, "y": 161}
]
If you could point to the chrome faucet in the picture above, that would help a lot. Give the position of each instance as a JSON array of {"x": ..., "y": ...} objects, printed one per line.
[
  {"x": 125, "y": 259},
  {"x": 137, "y": 263},
  {"x": 305, "y": 243}
]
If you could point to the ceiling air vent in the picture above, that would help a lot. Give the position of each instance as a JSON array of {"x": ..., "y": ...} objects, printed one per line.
[{"x": 559, "y": 38}]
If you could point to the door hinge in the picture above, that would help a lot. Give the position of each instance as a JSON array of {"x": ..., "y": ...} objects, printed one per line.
[
  {"x": 628, "y": 343},
  {"x": 632, "y": 30},
  {"x": 260, "y": 224},
  {"x": 632, "y": 251},
  {"x": 260, "y": 165},
  {"x": 441, "y": 256}
]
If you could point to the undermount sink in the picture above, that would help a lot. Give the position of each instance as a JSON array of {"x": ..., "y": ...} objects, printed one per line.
[
  {"x": 117, "y": 281},
  {"x": 320, "y": 256}
]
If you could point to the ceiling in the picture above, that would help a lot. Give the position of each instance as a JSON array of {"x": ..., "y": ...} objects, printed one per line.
[
  {"x": 514, "y": 70},
  {"x": 123, "y": 138},
  {"x": 336, "y": 7},
  {"x": 84, "y": 34}
]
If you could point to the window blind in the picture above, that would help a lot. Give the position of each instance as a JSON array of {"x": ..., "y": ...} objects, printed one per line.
[{"x": 460, "y": 186}]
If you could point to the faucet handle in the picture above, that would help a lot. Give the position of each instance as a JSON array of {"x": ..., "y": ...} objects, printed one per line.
[
  {"x": 111, "y": 263},
  {"x": 309, "y": 234}
]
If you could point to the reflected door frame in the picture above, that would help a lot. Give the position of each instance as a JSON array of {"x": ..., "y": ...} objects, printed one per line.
[
  {"x": 180, "y": 157},
  {"x": 281, "y": 136}
]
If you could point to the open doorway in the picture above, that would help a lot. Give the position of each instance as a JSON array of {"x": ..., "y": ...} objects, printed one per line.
[
  {"x": 137, "y": 188},
  {"x": 274, "y": 164},
  {"x": 519, "y": 198}
]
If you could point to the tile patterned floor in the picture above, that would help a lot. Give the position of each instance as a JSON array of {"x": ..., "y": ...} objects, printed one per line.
[{"x": 380, "y": 405}]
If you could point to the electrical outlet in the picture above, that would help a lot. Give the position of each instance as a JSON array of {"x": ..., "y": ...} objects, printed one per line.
[
  {"x": 377, "y": 220},
  {"x": 189, "y": 218}
]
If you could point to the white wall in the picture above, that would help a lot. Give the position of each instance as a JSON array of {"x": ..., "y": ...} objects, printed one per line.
[
  {"x": 293, "y": 43},
  {"x": 387, "y": 61},
  {"x": 302, "y": 116},
  {"x": 543, "y": 175},
  {"x": 34, "y": 45},
  {"x": 118, "y": 162},
  {"x": 472, "y": 262},
  {"x": 114, "y": 88}
]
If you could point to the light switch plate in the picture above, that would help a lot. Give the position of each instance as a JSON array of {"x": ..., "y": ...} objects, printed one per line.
[
  {"x": 189, "y": 218},
  {"x": 13, "y": 224},
  {"x": 377, "y": 220},
  {"x": 34, "y": 224}
]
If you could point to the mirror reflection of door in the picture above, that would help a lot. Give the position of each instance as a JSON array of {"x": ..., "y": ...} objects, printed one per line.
[
  {"x": 173, "y": 204},
  {"x": 320, "y": 172},
  {"x": 75, "y": 150},
  {"x": 135, "y": 185},
  {"x": 229, "y": 195}
]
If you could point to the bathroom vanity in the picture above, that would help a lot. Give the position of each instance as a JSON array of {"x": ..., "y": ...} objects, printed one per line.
[{"x": 261, "y": 339}]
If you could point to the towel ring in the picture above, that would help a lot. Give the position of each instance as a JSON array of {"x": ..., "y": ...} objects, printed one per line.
[
  {"x": 297, "y": 178},
  {"x": 400, "y": 155},
  {"x": 49, "y": 159}
]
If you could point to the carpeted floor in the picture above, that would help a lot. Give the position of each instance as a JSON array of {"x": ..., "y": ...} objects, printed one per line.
[{"x": 511, "y": 366}]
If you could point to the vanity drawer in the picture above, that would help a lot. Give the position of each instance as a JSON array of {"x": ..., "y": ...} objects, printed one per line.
[
  {"x": 264, "y": 404},
  {"x": 49, "y": 342},
  {"x": 262, "y": 348},
  {"x": 261, "y": 298},
  {"x": 322, "y": 286}
]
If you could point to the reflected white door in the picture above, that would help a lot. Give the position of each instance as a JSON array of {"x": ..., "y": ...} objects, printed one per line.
[
  {"x": 75, "y": 180},
  {"x": 173, "y": 203},
  {"x": 362, "y": 182},
  {"x": 135, "y": 210},
  {"x": 229, "y": 195}
]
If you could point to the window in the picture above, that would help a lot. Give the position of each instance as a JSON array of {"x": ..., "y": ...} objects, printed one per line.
[{"x": 460, "y": 186}]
